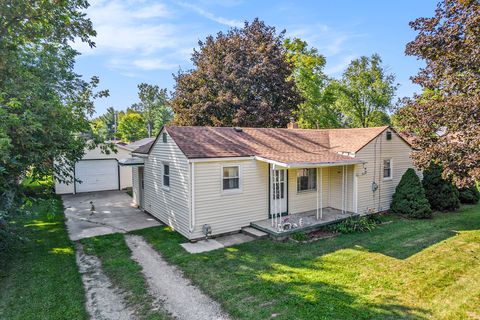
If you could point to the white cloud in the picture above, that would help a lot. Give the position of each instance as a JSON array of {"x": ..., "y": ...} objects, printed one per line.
[
  {"x": 340, "y": 66},
  {"x": 154, "y": 64},
  {"x": 211, "y": 16},
  {"x": 135, "y": 34}
]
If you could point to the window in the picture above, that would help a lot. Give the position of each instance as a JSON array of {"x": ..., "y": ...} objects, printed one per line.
[
  {"x": 166, "y": 175},
  {"x": 389, "y": 135},
  {"x": 387, "y": 169},
  {"x": 231, "y": 178},
  {"x": 306, "y": 179},
  {"x": 164, "y": 137}
]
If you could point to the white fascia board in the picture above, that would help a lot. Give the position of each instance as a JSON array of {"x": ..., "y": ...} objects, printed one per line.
[
  {"x": 310, "y": 165},
  {"x": 140, "y": 155}
]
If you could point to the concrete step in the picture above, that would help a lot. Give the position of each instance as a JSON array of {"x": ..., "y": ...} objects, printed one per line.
[{"x": 254, "y": 232}]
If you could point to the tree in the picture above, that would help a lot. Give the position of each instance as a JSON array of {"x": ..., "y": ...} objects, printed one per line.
[
  {"x": 318, "y": 109},
  {"x": 366, "y": 92},
  {"x": 469, "y": 195},
  {"x": 154, "y": 106},
  {"x": 110, "y": 119},
  {"x": 445, "y": 117},
  {"x": 409, "y": 197},
  {"x": 131, "y": 126},
  {"x": 44, "y": 104},
  {"x": 441, "y": 194},
  {"x": 240, "y": 78}
]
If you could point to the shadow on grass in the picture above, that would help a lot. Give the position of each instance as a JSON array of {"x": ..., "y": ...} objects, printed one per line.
[{"x": 355, "y": 276}]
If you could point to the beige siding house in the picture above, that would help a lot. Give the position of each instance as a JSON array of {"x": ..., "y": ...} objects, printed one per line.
[{"x": 230, "y": 178}]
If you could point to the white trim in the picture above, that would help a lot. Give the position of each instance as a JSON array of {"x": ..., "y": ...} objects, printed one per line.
[
  {"x": 141, "y": 155},
  {"x": 391, "y": 169},
  {"x": 355, "y": 192},
  {"x": 192, "y": 197},
  {"x": 240, "y": 182},
  {"x": 303, "y": 165},
  {"x": 220, "y": 159}
]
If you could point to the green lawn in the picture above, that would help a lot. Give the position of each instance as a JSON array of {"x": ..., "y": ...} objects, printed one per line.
[
  {"x": 39, "y": 278},
  {"x": 406, "y": 269}
]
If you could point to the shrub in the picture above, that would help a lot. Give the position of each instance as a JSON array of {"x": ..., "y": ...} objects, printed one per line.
[
  {"x": 441, "y": 194},
  {"x": 354, "y": 224},
  {"x": 469, "y": 195},
  {"x": 299, "y": 236},
  {"x": 409, "y": 198}
]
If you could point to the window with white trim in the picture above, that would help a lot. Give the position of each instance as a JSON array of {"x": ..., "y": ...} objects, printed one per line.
[
  {"x": 306, "y": 179},
  {"x": 387, "y": 168},
  {"x": 166, "y": 175},
  {"x": 231, "y": 178}
]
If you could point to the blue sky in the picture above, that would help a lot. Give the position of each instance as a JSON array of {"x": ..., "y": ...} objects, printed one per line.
[{"x": 147, "y": 41}]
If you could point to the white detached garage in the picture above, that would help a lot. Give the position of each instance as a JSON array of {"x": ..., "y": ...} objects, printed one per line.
[{"x": 98, "y": 171}]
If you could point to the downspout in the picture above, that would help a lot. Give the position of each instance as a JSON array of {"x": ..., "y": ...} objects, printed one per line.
[{"x": 192, "y": 196}]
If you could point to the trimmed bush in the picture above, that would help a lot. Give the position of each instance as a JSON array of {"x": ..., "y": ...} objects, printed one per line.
[
  {"x": 441, "y": 194},
  {"x": 409, "y": 198},
  {"x": 469, "y": 195}
]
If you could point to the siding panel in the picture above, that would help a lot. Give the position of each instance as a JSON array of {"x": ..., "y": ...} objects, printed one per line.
[
  {"x": 374, "y": 153},
  {"x": 227, "y": 212},
  {"x": 169, "y": 206}
]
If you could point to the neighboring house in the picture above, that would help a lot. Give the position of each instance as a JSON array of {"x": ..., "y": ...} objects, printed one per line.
[
  {"x": 98, "y": 171},
  {"x": 230, "y": 177}
]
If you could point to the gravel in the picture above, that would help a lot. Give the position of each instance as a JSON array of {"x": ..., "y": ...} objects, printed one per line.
[
  {"x": 104, "y": 302},
  {"x": 179, "y": 297}
]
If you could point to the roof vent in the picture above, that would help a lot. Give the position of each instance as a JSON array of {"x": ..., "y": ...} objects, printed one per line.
[{"x": 238, "y": 129}]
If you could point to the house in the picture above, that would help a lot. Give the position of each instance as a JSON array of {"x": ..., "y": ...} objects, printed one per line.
[
  {"x": 98, "y": 171},
  {"x": 229, "y": 178}
]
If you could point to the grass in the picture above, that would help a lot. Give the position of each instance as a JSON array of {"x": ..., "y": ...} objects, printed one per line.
[
  {"x": 405, "y": 269},
  {"x": 39, "y": 278},
  {"x": 123, "y": 272}
]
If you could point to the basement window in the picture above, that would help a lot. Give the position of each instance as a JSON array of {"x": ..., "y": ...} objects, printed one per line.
[
  {"x": 306, "y": 179},
  {"x": 231, "y": 178},
  {"x": 166, "y": 175}
]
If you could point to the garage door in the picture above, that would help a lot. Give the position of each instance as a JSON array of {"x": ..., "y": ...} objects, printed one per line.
[{"x": 96, "y": 175}]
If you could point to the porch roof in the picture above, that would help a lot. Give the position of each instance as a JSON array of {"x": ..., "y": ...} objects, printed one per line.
[{"x": 309, "y": 160}]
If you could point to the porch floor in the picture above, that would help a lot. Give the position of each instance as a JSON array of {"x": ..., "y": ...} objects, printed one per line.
[{"x": 303, "y": 221}]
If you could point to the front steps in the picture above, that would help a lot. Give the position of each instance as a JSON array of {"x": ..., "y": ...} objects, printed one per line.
[{"x": 257, "y": 234}]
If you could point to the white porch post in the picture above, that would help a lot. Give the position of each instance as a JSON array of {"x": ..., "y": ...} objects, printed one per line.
[
  {"x": 321, "y": 193},
  {"x": 274, "y": 197},
  {"x": 343, "y": 187},
  {"x": 316, "y": 178}
]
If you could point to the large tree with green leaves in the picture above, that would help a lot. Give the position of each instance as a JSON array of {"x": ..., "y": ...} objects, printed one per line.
[
  {"x": 365, "y": 92},
  {"x": 154, "y": 106},
  {"x": 318, "y": 110},
  {"x": 445, "y": 117},
  {"x": 240, "y": 78},
  {"x": 131, "y": 126},
  {"x": 44, "y": 104}
]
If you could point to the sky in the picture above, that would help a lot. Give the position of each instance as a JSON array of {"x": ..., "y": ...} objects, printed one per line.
[{"x": 149, "y": 41}]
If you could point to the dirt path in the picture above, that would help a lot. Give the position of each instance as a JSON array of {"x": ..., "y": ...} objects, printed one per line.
[
  {"x": 103, "y": 301},
  {"x": 180, "y": 298}
]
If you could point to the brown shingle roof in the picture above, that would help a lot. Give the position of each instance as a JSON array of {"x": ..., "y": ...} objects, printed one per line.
[{"x": 282, "y": 145}]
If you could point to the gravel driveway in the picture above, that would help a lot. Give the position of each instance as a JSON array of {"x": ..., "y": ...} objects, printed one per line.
[{"x": 180, "y": 298}]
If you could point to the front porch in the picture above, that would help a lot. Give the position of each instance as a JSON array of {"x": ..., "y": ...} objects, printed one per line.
[{"x": 301, "y": 222}]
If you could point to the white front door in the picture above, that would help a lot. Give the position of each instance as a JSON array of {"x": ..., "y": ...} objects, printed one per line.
[{"x": 278, "y": 191}]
